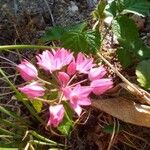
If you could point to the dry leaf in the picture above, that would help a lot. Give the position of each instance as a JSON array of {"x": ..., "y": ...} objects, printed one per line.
[{"x": 125, "y": 110}]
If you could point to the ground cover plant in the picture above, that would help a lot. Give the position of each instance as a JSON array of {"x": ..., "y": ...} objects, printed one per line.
[{"x": 72, "y": 76}]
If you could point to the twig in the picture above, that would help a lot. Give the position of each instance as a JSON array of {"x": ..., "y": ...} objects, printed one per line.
[
  {"x": 140, "y": 93},
  {"x": 50, "y": 12},
  {"x": 112, "y": 136}
]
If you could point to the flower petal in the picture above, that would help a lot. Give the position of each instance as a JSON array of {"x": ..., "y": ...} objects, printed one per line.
[
  {"x": 96, "y": 73},
  {"x": 100, "y": 86},
  {"x": 56, "y": 115},
  {"x": 63, "y": 78},
  {"x": 27, "y": 71}
]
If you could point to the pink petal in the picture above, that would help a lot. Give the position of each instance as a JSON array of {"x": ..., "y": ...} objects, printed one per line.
[
  {"x": 71, "y": 69},
  {"x": 56, "y": 115},
  {"x": 102, "y": 85},
  {"x": 80, "y": 58},
  {"x": 33, "y": 90},
  {"x": 45, "y": 60},
  {"x": 77, "y": 109},
  {"x": 96, "y": 73},
  {"x": 84, "y": 102},
  {"x": 63, "y": 78},
  {"x": 83, "y": 91},
  {"x": 27, "y": 71},
  {"x": 66, "y": 92}
]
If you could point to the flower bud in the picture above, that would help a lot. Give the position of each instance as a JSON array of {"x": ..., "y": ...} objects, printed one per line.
[
  {"x": 33, "y": 90},
  {"x": 100, "y": 86},
  {"x": 27, "y": 71},
  {"x": 56, "y": 115}
]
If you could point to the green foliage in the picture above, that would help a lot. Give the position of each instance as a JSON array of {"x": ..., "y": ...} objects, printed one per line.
[
  {"x": 125, "y": 29},
  {"x": 138, "y": 7},
  {"x": 37, "y": 105},
  {"x": 121, "y": 7},
  {"x": 67, "y": 123},
  {"x": 20, "y": 97},
  {"x": 85, "y": 41},
  {"x": 75, "y": 37},
  {"x": 56, "y": 33},
  {"x": 98, "y": 13},
  {"x": 132, "y": 46},
  {"x": 143, "y": 74},
  {"x": 124, "y": 57}
]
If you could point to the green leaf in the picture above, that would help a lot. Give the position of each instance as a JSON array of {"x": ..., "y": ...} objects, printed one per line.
[
  {"x": 37, "y": 105},
  {"x": 56, "y": 32},
  {"x": 111, "y": 9},
  {"x": 67, "y": 124},
  {"x": 85, "y": 41},
  {"x": 131, "y": 44},
  {"x": 40, "y": 137},
  {"x": 98, "y": 13},
  {"x": 143, "y": 74},
  {"x": 75, "y": 37},
  {"x": 65, "y": 127},
  {"x": 127, "y": 34},
  {"x": 125, "y": 29},
  {"x": 20, "y": 97},
  {"x": 124, "y": 57},
  {"x": 141, "y": 50},
  {"x": 121, "y": 7},
  {"x": 138, "y": 7}
]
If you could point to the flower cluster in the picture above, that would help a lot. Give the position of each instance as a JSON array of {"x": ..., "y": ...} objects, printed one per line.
[{"x": 75, "y": 79}]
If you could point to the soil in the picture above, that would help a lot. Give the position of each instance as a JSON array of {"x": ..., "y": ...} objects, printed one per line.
[{"x": 24, "y": 22}]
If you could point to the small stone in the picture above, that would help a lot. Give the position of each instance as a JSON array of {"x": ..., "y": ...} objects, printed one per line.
[
  {"x": 73, "y": 8},
  {"x": 92, "y": 3},
  {"x": 108, "y": 20}
]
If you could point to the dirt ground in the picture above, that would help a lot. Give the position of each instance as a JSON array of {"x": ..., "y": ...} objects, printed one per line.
[{"x": 24, "y": 22}]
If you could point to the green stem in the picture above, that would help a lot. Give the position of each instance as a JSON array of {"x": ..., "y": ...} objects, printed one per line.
[
  {"x": 20, "y": 98},
  {"x": 24, "y": 47}
]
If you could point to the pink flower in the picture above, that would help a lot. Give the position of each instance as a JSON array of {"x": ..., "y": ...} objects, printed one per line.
[
  {"x": 27, "y": 71},
  {"x": 83, "y": 64},
  {"x": 33, "y": 90},
  {"x": 54, "y": 60},
  {"x": 71, "y": 69},
  {"x": 56, "y": 115},
  {"x": 101, "y": 85},
  {"x": 62, "y": 57},
  {"x": 63, "y": 78},
  {"x": 45, "y": 60},
  {"x": 96, "y": 73},
  {"x": 78, "y": 96}
]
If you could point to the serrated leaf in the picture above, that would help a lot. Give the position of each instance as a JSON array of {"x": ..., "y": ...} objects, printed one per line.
[
  {"x": 37, "y": 105},
  {"x": 125, "y": 29},
  {"x": 86, "y": 41},
  {"x": 121, "y": 7},
  {"x": 143, "y": 74},
  {"x": 53, "y": 33},
  {"x": 56, "y": 32},
  {"x": 138, "y": 7},
  {"x": 124, "y": 57}
]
